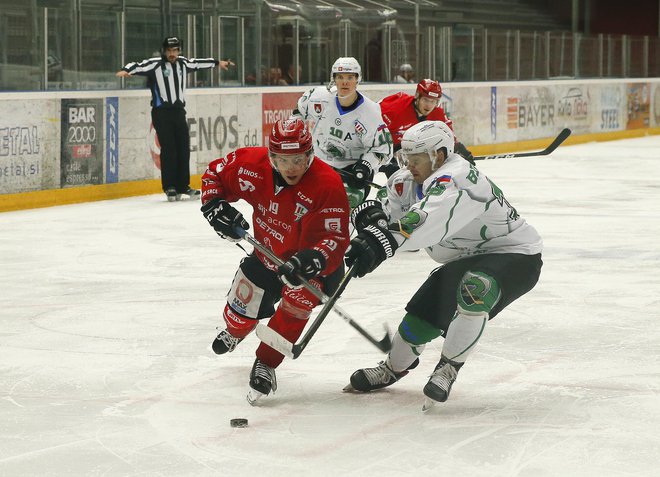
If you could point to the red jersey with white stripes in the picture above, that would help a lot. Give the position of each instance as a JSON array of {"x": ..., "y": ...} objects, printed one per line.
[
  {"x": 399, "y": 114},
  {"x": 312, "y": 214}
]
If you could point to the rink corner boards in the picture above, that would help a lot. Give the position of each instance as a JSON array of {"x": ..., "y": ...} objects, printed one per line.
[{"x": 91, "y": 193}]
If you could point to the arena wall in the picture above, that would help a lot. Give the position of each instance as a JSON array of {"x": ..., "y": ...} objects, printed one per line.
[{"x": 66, "y": 147}]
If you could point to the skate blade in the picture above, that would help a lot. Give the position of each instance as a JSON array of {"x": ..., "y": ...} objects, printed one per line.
[
  {"x": 428, "y": 404},
  {"x": 253, "y": 396},
  {"x": 187, "y": 197},
  {"x": 349, "y": 389}
]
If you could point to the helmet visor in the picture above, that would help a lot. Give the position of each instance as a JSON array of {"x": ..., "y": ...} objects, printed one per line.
[
  {"x": 414, "y": 159},
  {"x": 289, "y": 162}
]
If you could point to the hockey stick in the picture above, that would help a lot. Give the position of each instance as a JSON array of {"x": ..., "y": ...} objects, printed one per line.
[
  {"x": 350, "y": 175},
  {"x": 276, "y": 341},
  {"x": 563, "y": 135},
  {"x": 384, "y": 344}
]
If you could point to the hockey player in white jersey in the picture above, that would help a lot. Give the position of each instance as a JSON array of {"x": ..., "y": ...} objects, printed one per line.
[
  {"x": 489, "y": 255},
  {"x": 349, "y": 132}
]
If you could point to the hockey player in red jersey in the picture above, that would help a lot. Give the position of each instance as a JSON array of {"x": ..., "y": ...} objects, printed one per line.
[
  {"x": 300, "y": 212},
  {"x": 401, "y": 111}
]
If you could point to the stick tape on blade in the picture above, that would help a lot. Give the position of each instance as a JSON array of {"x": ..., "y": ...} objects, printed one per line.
[{"x": 275, "y": 340}]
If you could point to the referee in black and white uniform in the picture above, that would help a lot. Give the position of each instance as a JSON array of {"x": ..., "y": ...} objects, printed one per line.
[{"x": 167, "y": 80}]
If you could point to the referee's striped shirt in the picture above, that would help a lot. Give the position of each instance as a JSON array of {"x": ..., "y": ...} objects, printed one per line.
[{"x": 167, "y": 81}]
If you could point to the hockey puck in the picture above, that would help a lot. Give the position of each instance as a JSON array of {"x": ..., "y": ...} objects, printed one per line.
[{"x": 238, "y": 422}]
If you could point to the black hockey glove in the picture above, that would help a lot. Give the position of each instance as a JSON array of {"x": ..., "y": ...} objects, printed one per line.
[
  {"x": 307, "y": 264},
  {"x": 370, "y": 248},
  {"x": 225, "y": 219},
  {"x": 359, "y": 175},
  {"x": 461, "y": 150},
  {"x": 389, "y": 169},
  {"x": 369, "y": 212}
]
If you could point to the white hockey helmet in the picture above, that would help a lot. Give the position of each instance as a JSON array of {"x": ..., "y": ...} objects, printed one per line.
[
  {"x": 428, "y": 137},
  {"x": 346, "y": 64}
]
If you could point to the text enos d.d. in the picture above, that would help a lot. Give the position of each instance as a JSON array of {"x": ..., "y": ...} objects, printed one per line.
[{"x": 220, "y": 133}]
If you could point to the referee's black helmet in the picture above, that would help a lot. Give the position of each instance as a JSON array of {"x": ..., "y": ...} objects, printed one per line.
[{"x": 171, "y": 42}]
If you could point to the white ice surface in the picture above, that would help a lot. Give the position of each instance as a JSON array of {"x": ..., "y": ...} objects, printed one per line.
[{"x": 107, "y": 311}]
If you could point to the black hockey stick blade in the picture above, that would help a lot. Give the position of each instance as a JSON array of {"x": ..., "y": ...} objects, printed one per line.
[
  {"x": 385, "y": 345},
  {"x": 561, "y": 137}
]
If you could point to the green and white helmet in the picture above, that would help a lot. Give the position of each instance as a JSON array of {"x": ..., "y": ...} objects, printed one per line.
[
  {"x": 346, "y": 64},
  {"x": 428, "y": 137}
]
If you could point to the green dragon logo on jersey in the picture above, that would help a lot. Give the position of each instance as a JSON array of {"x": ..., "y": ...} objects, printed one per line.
[
  {"x": 334, "y": 150},
  {"x": 436, "y": 189},
  {"x": 478, "y": 292},
  {"x": 411, "y": 221}
]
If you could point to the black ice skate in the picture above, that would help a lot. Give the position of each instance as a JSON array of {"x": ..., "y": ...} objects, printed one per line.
[
  {"x": 440, "y": 382},
  {"x": 171, "y": 194},
  {"x": 369, "y": 379},
  {"x": 225, "y": 342},
  {"x": 189, "y": 194},
  {"x": 262, "y": 381}
]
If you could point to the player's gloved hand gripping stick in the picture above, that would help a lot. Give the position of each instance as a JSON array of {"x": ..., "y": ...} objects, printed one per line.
[
  {"x": 351, "y": 176},
  {"x": 284, "y": 346}
]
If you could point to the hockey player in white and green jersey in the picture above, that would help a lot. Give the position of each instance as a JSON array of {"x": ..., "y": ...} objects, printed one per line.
[
  {"x": 489, "y": 255},
  {"x": 349, "y": 132}
]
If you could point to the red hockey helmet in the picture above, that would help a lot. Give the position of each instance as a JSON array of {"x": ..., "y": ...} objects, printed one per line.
[
  {"x": 290, "y": 136},
  {"x": 429, "y": 88}
]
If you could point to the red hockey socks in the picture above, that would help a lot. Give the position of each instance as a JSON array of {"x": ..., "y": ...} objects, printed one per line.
[
  {"x": 237, "y": 325},
  {"x": 286, "y": 325}
]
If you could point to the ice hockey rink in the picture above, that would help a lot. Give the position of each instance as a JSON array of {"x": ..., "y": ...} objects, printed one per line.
[{"x": 108, "y": 309}]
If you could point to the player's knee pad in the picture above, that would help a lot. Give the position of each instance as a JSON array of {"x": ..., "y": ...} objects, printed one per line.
[
  {"x": 239, "y": 326},
  {"x": 245, "y": 297},
  {"x": 477, "y": 293},
  {"x": 416, "y": 331}
]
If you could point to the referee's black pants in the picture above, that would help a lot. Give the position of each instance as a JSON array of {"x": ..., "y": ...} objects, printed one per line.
[{"x": 174, "y": 138}]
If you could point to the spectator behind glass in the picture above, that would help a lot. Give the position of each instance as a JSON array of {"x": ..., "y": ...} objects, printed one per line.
[
  {"x": 275, "y": 77},
  {"x": 406, "y": 74},
  {"x": 290, "y": 76}
]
